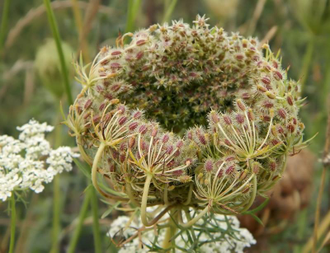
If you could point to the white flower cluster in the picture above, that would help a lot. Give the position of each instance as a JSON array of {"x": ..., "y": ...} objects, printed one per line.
[
  {"x": 238, "y": 239},
  {"x": 29, "y": 161}
]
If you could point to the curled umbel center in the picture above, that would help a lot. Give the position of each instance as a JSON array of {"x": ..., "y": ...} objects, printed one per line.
[{"x": 186, "y": 116}]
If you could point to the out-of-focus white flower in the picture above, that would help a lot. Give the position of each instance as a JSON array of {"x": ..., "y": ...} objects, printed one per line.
[
  {"x": 60, "y": 159},
  {"x": 29, "y": 162},
  {"x": 238, "y": 239},
  {"x": 122, "y": 227},
  {"x": 33, "y": 129}
]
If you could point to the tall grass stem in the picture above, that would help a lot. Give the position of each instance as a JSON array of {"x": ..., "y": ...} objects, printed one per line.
[
  {"x": 169, "y": 10},
  {"x": 56, "y": 215},
  {"x": 306, "y": 63},
  {"x": 133, "y": 9},
  {"x": 326, "y": 153},
  {"x": 81, "y": 218},
  {"x": 96, "y": 225},
  {"x": 4, "y": 23},
  {"x": 57, "y": 38}
]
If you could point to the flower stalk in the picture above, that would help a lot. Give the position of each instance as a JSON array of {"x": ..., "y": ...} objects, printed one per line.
[{"x": 12, "y": 223}]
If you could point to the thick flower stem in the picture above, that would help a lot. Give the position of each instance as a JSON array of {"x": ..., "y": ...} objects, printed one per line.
[
  {"x": 144, "y": 217},
  {"x": 171, "y": 230},
  {"x": 12, "y": 224},
  {"x": 94, "y": 175},
  {"x": 95, "y": 163},
  {"x": 254, "y": 194},
  {"x": 196, "y": 218}
]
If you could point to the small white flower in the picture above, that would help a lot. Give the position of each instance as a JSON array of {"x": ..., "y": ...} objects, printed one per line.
[
  {"x": 61, "y": 159},
  {"x": 121, "y": 227},
  {"x": 22, "y": 161},
  {"x": 33, "y": 129}
]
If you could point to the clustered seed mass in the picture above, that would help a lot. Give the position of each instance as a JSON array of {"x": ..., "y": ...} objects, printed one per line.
[{"x": 187, "y": 115}]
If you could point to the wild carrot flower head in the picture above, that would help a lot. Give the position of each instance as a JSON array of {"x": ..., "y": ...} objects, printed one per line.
[{"x": 187, "y": 115}]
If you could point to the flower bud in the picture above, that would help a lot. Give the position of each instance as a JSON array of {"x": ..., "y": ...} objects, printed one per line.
[
  {"x": 122, "y": 120},
  {"x": 240, "y": 105},
  {"x": 214, "y": 117},
  {"x": 143, "y": 129},
  {"x": 208, "y": 166},
  {"x": 131, "y": 142},
  {"x": 230, "y": 170},
  {"x": 154, "y": 131},
  {"x": 282, "y": 113},
  {"x": 165, "y": 138},
  {"x": 88, "y": 104},
  {"x": 121, "y": 109},
  {"x": 270, "y": 95},
  {"x": 240, "y": 118},
  {"x": 278, "y": 76},
  {"x": 227, "y": 120},
  {"x": 137, "y": 115},
  {"x": 133, "y": 126},
  {"x": 289, "y": 100}
]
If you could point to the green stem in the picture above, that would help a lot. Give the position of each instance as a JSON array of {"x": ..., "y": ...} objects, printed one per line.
[
  {"x": 56, "y": 214},
  {"x": 81, "y": 218},
  {"x": 145, "y": 195},
  {"x": 12, "y": 223},
  {"x": 196, "y": 218},
  {"x": 170, "y": 232},
  {"x": 97, "y": 158},
  {"x": 306, "y": 63},
  {"x": 169, "y": 10},
  {"x": 187, "y": 202},
  {"x": 4, "y": 22},
  {"x": 94, "y": 175},
  {"x": 133, "y": 8},
  {"x": 96, "y": 225},
  {"x": 318, "y": 209},
  {"x": 254, "y": 194},
  {"x": 56, "y": 226},
  {"x": 301, "y": 229},
  {"x": 57, "y": 38}
]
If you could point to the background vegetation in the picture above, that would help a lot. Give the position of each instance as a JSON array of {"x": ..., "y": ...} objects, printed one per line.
[{"x": 32, "y": 86}]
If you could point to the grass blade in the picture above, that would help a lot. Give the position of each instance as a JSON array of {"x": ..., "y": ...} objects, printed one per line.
[
  {"x": 133, "y": 8},
  {"x": 57, "y": 38},
  {"x": 4, "y": 22},
  {"x": 96, "y": 225},
  {"x": 82, "y": 216},
  {"x": 168, "y": 12}
]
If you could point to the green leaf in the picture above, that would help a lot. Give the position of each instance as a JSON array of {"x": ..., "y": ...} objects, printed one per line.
[
  {"x": 88, "y": 188},
  {"x": 107, "y": 212},
  {"x": 83, "y": 168},
  {"x": 259, "y": 208},
  {"x": 257, "y": 219}
]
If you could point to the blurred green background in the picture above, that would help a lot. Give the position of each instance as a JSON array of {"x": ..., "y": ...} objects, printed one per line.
[{"x": 31, "y": 86}]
